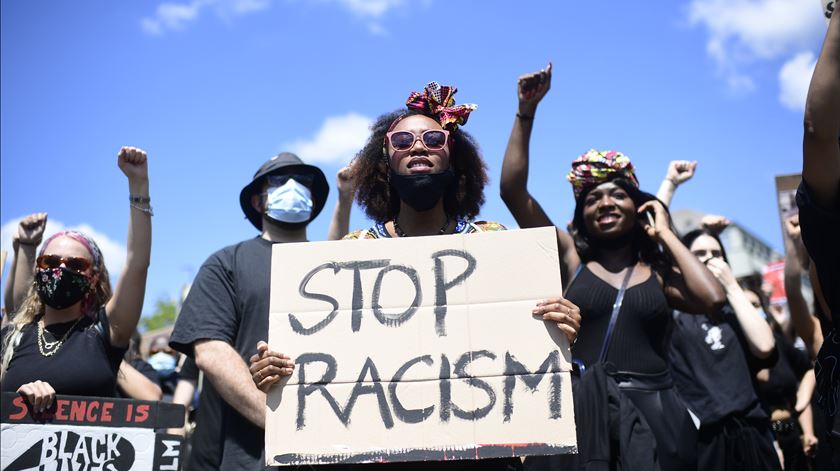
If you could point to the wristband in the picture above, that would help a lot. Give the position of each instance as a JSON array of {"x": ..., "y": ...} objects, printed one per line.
[
  {"x": 524, "y": 117},
  {"x": 138, "y": 199}
]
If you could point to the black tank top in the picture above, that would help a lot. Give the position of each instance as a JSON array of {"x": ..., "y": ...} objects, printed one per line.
[{"x": 639, "y": 337}]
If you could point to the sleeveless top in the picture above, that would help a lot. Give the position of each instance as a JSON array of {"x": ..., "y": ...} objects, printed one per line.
[
  {"x": 639, "y": 340},
  {"x": 462, "y": 226}
]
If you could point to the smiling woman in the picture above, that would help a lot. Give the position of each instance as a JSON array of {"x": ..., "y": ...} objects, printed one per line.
[{"x": 627, "y": 271}]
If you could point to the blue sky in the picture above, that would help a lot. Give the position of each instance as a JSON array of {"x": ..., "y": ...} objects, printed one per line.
[{"x": 213, "y": 88}]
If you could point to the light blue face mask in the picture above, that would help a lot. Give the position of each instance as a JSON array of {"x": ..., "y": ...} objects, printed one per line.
[
  {"x": 289, "y": 202},
  {"x": 163, "y": 363}
]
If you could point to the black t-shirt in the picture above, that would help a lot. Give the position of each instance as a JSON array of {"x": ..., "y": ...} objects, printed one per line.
[
  {"x": 713, "y": 367},
  {"x": 228, "y": 301},
  {"x": 85, "y": 365},
  {"x": 779, "y": 391}
]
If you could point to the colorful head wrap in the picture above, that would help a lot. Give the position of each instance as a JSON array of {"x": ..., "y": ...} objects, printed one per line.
[
  {"x": 437, "y": 101},
  {"x": 89, "y": 244},
  {"x": 596, "y": 167}
]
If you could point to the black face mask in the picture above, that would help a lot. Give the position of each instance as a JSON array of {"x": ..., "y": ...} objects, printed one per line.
[
  {"x": 60, "y": 288},
  {"x": 423, "y": 190}
]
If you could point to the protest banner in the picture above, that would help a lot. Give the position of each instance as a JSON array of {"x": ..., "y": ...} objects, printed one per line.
[
  {"x": 414, "y": 349},
  {"x": 786, "y": 186},
  {"x": 89, "y": 433}
]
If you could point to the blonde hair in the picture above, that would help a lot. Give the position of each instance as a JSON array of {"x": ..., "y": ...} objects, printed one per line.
[{"x": 32, "y": 306}]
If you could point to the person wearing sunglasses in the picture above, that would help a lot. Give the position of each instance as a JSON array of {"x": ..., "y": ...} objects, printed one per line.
[
  {"x": 420, "y": 174},
  {"x": 627, "y": 270},
  {"x": 71, "y": 331},
  {"x": 226, "y": 312}
]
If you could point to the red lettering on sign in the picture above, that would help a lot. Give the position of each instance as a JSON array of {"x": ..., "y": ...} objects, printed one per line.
[
  {"x": 105, "y": 416},
  {"x": 128, "y": 411},
  {"x": 61, "y": 409},
  {"x": 91, "y": 412},
  {"x": 142, "y": 413},
  {"x": 20, "y": 404},
  {"x": 77, "y": 411}
]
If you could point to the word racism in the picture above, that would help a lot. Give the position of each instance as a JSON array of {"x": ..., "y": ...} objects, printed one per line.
[{"x": 370, "y": 382}]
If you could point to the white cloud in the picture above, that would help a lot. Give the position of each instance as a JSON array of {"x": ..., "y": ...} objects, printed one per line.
[
  {"x": 369, "y": 8},
  {"x": 175, "y": 16},
  {"x": 113, "y": 252},
  {"x": 744, "y": 31},
  {"x": 171, "y": 16},
  {"x": 794, "y": 80},
  {"x": 337, "y": 141}
]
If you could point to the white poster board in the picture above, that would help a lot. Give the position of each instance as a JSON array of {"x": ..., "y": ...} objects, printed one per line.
[{"x": 413, "y": 349}]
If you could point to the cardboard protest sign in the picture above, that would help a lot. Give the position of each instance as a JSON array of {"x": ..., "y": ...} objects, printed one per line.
[
  {"x": 86, "y": 433},
  {"x": 413, "y": 349},
  {"x": 828, "y": 7},
  {"x": 786, "y": 186}
]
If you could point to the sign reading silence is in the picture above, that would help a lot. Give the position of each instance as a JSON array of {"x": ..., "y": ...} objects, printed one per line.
[
  {"x": 90, "y": 433},
  {"x": 414, "y": 349}
]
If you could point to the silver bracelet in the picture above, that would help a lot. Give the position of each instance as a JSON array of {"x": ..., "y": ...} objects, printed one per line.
[{"x": 145, "y": 210}]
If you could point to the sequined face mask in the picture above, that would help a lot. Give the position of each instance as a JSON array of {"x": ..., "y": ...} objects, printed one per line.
[{"x": 60, "y": 287}]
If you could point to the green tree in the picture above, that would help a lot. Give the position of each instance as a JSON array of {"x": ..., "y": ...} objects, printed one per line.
[{"x": 165, "y": 313}]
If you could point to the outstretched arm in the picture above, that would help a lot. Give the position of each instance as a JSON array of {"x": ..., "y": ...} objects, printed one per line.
[
  {"x": 340, "y": 223},
  {"x": 805, "y": 325},
  {"x": 127, "y": 302},
  {"x": 22, "y": 272},
  {"x": 821, "y": 152},
  {"x": 514, "y": 181},
  {"x": 679, "y": 172}
]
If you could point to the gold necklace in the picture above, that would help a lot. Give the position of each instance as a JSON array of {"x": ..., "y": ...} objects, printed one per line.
[{"x": 49, "y": 349}]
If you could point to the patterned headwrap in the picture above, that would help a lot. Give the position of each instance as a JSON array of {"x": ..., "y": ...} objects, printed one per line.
[
  {"x": 89, "y": 244},
  {"x": 437, "y": 101},
  {"x": 596, "y": 167}
]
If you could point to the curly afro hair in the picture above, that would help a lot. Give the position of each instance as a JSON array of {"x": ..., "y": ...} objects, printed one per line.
[{"x": 463, "y": 199}]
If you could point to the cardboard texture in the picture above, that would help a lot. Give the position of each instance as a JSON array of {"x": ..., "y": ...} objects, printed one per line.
[
  {"x": 422, "y": 348},
  {"x": 89, "y": 433},
  {"x": 828, "y": 6}
]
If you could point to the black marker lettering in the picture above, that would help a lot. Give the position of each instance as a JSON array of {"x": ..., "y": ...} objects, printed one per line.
[
  {"x": 358, "y": 297},
  {"x": 445, "y": 390},
  {"x": 294, "y": 322},
  {"x": 409, "y": 416},
  {"x": 461, "y": 372},
  {"x": 514, "y": 369},
  {"x": 375, "y": 387},
  {"x": 321, "y": 385},
  {"x": 395, "y": 320},
  {"x": 442, "y": 286}
]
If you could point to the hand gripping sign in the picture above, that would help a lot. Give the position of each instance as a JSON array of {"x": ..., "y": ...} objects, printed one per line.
[
  {"x": 415, "y": 349},
  {"x": 89, "y": 433}
]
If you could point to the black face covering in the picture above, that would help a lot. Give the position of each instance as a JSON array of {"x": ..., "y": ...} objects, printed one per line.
[
  {"x": 60, "y": 288},
  {"x": 423, "y": 190}
]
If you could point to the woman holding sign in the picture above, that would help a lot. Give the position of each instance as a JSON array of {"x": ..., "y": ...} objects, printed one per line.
[
  {"x": 628, "y": 270},
  {"x": 421, "y": 175},
  {"x": 70, "y": 333}
]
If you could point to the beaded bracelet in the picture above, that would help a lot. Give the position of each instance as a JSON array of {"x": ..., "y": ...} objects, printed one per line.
[{"x": 145, "y": 210}]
